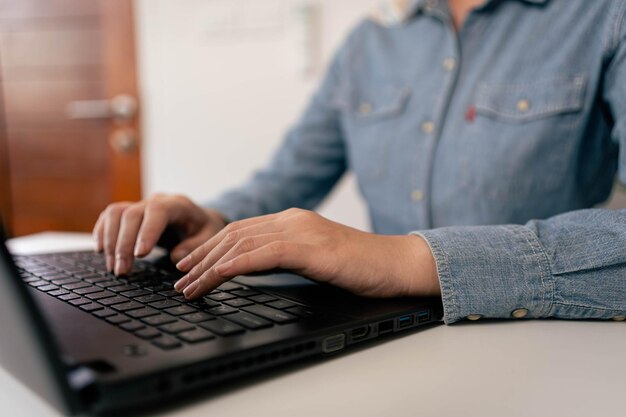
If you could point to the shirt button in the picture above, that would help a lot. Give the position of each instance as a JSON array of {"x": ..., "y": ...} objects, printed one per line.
[
  {"x": 619, "y": 318},
  {"x": 449, "y": 64},
  {"x": 520, "y": 313},
  {"x": 474, "y": 317},
  {"x": 428, "y": 127},
  {"x": 417, "y": 195},
  {"x": 523, "y": 105},
  {"x": 365, "y": 108}
]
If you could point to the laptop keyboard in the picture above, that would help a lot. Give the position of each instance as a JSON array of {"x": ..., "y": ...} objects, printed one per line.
[{"x": 145, "y": 303}]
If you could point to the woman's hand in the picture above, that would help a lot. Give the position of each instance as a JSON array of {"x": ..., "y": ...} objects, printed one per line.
[
  {"x": 310, "y": 245},
  {"x": 125, "y": 230}
]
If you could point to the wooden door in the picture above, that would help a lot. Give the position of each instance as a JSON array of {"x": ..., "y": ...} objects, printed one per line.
[{"x": 69, "y": 128}]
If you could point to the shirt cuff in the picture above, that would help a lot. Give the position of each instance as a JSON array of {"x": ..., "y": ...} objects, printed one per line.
[{"x": 491, "y": 272}]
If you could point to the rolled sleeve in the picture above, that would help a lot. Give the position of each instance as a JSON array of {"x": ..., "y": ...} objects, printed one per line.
[{"x": 491, "y": 271}]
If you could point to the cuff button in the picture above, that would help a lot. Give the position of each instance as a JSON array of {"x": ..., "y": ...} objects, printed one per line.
[
  {"x": 520, "y": 313},
  {"x": 474, "y": 317}
]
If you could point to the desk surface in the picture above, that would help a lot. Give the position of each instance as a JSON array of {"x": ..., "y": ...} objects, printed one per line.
[{"x": 482, "y": 369}]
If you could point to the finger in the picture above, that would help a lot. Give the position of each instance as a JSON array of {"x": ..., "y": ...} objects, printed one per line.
[
  {"x": 187, "y": 246},
  {"x": 231, "y": 234},
  {"x": 112, "y": 220},
  {"x": 246, "y": 244},
  {"x": 98, "y": 233},
  {"x": 129, "y": 228},
  {"x": 155, "y": 220},
  {"x": 277, "y": 254}
]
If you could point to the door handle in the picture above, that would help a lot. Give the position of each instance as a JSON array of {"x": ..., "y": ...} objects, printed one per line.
[{"x": 122, "y": 107}]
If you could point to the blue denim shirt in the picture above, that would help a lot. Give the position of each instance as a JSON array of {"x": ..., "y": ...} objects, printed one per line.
[{"x": 465, "y": 138}]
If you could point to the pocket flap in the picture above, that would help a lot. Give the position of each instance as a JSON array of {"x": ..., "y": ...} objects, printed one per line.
[
  {"x": 377, "y": 102},
  {"x": 532, "y": 100}
]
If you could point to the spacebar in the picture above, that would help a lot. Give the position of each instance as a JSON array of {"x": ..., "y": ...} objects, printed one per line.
[{"x": 272, "y": 314}]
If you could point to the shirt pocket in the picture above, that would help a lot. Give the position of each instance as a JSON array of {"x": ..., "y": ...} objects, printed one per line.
[
  {"x": 533, "y": 100},
  {"x": 371, "y": 118},
  {"x": 525, "y": 132}
]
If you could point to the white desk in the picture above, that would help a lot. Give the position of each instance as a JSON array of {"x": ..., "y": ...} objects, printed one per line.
[{"x": 500, "y": 369}]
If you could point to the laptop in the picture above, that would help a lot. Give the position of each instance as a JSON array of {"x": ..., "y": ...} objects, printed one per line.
[{"x": 91, "y": 343}]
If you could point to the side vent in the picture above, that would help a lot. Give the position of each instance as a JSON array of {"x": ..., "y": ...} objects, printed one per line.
[{"x": 251, "y": 363}]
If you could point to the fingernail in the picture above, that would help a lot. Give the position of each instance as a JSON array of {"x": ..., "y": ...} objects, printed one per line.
[
  {"x": 191, "y": 288},
  {"x": 110, "y": 262},
  {"x": 223, "y": 268},
  {"x": 181, "y": 283},
  {"x": 121, "y": 266},
  {"x": 140, "y": 248},
  {"x": 184, "y": 263}
]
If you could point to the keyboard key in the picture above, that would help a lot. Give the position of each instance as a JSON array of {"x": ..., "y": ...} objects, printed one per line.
[
  {"x": 238, "y": 302},
  {"x": 108, "y": 283},
  {"x": 48, "y": 288},
  {"x": 79, "y": 301},
  {"x": 112, "y": 300},
  {"x": 68, "y": 297},
  {"x": 75, "y": 285},
  {"x": 132, "y": 325},
  {"x": 167, "y": 342},
  {"x": 180, "y": 310},
  {"x": 58, "y": 293},
  {"x": 135, "y": 293},
  {"x": 124, "y": 287},
  {"x": 281, "y": 304},
  {"x": 277, "y": 316},
  {"x": 148, "y": 333},
  {"x": 176, "y": 327},
  {"x": 149, "y": 298},
  {"x": 263, "y": 298},
  {"x": 245, "y": 293},
  {"x": 229, "y": 286},
  {"x": 118, "y": 319},
  {"x": 101, "y": 295},
  {"x": 159, "y": 319},
  {"x": 131, "y": 305},
  {"x": 248, "y": 320},
  {"x": 64, "y": 281},
  {"x": 95, "y": 279},
  {"x": 221, "y": 296},
  {"x": 161, "y": 305},
  {"x": 195, "y": 336},
  {"x": 197, "y": 317},
  {"x": 107, "y": 312},
  {"x": 143, "y": 312},
  {"x": 39, "y": 283},
  {"x": 222, "y": 327},
  {"x": 222, "y": 310},
  {"x": 88, "y": 290},
  {"x": 91, "y": 307},
  {"x": 170, "y": 293},
  {"x": 206, "y": 303},
  {"x": 301, "y": 311}
]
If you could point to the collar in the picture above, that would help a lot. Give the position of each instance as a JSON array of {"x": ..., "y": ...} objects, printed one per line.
[{"x": 393, "y": 12}]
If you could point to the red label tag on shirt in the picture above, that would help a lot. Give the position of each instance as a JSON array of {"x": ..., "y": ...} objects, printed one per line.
[{"x": 470, "y": 115}]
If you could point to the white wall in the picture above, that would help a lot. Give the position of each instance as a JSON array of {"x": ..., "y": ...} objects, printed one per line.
[{"x": 219, "y": 90}]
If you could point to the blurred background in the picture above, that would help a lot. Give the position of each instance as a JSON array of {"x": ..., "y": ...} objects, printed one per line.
[{"x": 107, "y": 100}]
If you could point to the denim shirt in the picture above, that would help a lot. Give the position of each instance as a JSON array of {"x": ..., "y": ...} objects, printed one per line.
[{"x": 493, "y": 144}]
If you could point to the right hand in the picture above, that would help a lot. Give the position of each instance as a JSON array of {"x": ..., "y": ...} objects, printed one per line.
[{"x": 127, "y": 230}]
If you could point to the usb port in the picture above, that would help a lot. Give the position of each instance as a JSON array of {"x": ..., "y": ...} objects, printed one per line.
[
  {"x": 405, "y": 321},
  {"x": 423, "y": 316}
]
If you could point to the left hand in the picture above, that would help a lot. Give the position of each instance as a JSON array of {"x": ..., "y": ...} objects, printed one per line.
[{"x": 315, "y": 247}]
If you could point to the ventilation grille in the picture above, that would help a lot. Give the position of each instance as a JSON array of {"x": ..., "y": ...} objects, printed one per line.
[{"x": 242, "y": 365}]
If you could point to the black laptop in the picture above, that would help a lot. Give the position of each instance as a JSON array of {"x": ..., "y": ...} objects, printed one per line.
[{"x": 91, "y": 343}]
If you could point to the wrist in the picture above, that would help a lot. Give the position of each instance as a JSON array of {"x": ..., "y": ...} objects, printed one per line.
[{"x": 421, "y": 276}]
